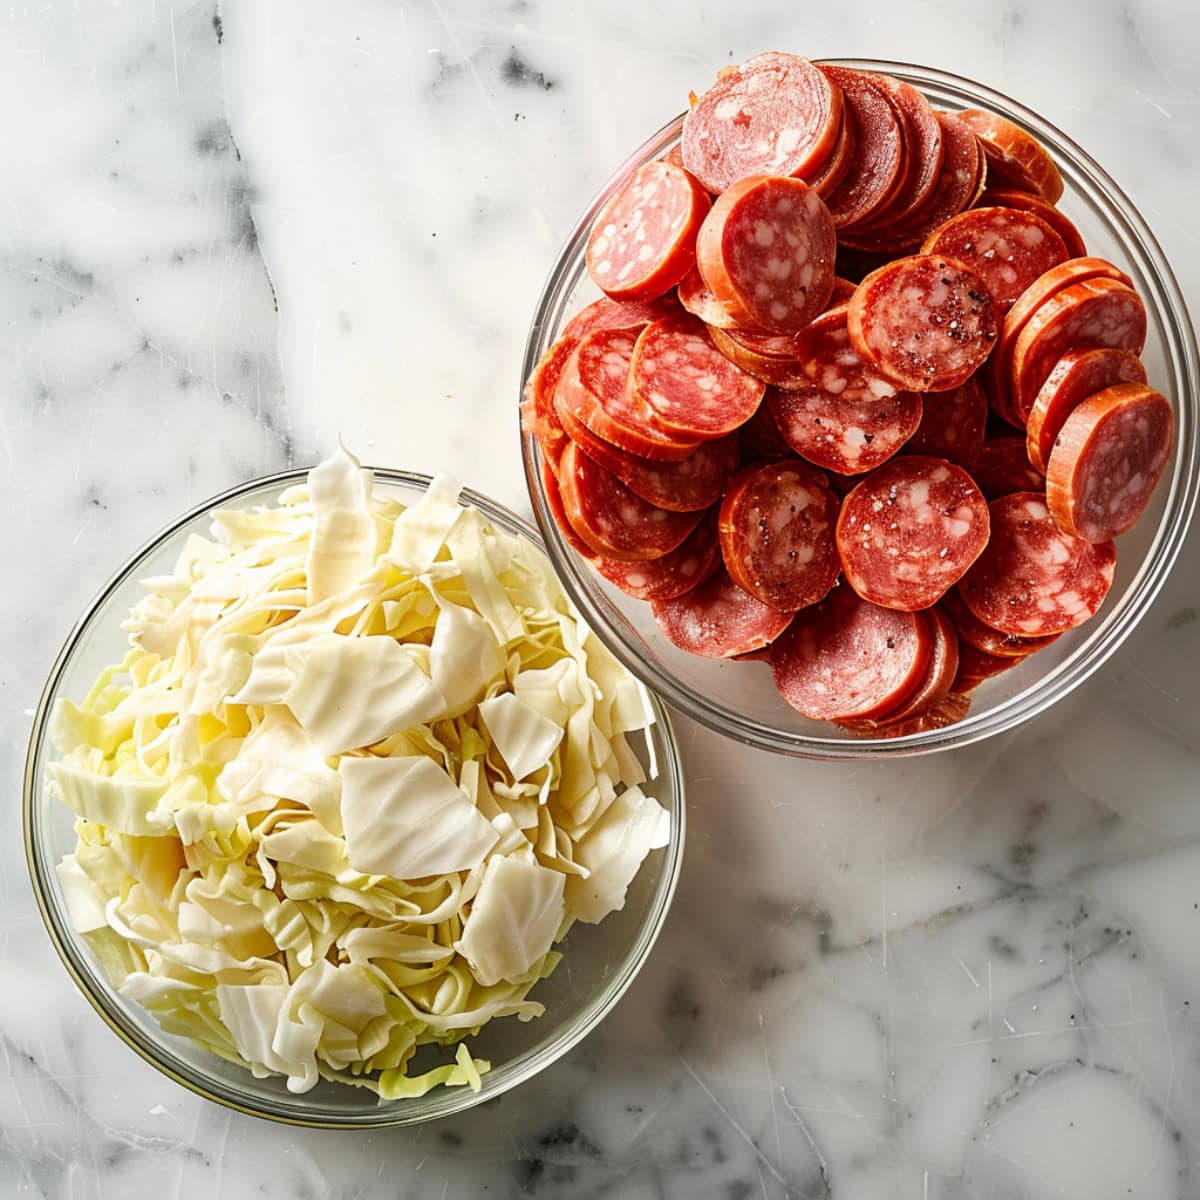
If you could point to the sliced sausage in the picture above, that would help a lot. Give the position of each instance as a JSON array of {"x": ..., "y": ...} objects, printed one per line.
[
  {"x": 1096, "y": 312},
  {"x": 1007, "y": 248},
  {"x": 875, "y": 169},
  {"x": 910, "y": 531},
  {"x": 766, "y": 252},
  {"x": 1055, "y": 218},
  {"x": 927, "y": 322},
  {"x": 973, "y": 632},
  {"x": 844, "y": 415},
  {"x": 617, "y": 314},
  {"x": 678, "y": 571},
  {"x": 837, "y": 166},
  {"x": 594, "y": 388},
  {"x": 610, "y": 519},
  {"x": 1032, "y": 579},
  {"x": 760, "y": 438},
  {"x": 644, "y": 240},
  {"x": 1107, "y": 461},
  {"x": 1076, "y": 376},
  {"x": 777, "y": 370},
  {"x": 775, "y": 114},
  {"x": 554, "y": 502},
  {"x": 776, "y": 526},
  {"x": 719, "y": 620},
  {"x": 847, "y": 659},
  {"x": 538, "y": 414},
  {"x": 1003, "y": 467},
  {"x": 953, "y": 424},
  {"x": 1015, "y": 158},
  {"x": 948, "y": 711},
  {"x": 696, "y": 296},
  {"x": 976, "y": 667},
  {"x": 689, "y": 485},
  {"x": 693, "y": 390}
]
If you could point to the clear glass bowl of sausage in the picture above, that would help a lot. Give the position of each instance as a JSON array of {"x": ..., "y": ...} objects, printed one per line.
[{"x": 999, "y": 683}]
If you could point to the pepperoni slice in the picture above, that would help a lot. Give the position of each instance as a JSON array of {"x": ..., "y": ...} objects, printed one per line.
[
  {"x": 538, "y": 415},
  {"x": 1015, "y": 158},
  {"x": 644, "y": 240},
  {"x": 924, "y": 155},
  {"x": 910, "y": 531},
  {"x": 874, "y": 171},
  {"x": 594, "y": 389},
  {"x": 776, "y": 527},
  {"x": 1007, "y": 248},
  {"x": 776, "y": 114},
  {"x": 1057, "y": 220},
  {"x": 692, "y": 484},
  {"x": 844, "y": 416},
  {"x": 1032, "y": 579},
  {"x": 719, "y": 620},
  {"x": 840, "y": 160},
  {"x": 953, "y": 425},
  {"x": 927, "y": 322},
  {"x": 1003, "y": 467},
  {"x": 695, "y": 296},
  {"x": 774, "y": 369},
  {"x": 693, "y": 390},
  {"x": 610, "y": 519},
  {"x": 843, "y": 289},
  {"x": 617, "y": 314},
  {"x": 1076, "y": 376},
  {"x": 766, "y": 252},
  {"x": 554, "y": 502},
  {"x": 1107, "y": 461},
  {"x": 847, "y": 659},
  {"x": 933, "y": 688},
  {"x": 973, "y": 632},
  {"x": 948, "y": 711},
  {"x": 1097, "y": 312},
  {"x": 976, "y": 667},
  {"x": 684, "y": 568}
]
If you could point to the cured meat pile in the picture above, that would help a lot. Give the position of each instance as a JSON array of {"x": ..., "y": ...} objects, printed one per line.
[{"x": 855, "y": 402}]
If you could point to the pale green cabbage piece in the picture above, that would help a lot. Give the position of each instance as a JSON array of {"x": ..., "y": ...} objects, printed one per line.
[{"x": 361, "y": 768}]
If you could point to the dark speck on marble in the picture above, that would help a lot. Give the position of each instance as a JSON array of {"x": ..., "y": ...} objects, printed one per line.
[{"x": 517, "y": 71}]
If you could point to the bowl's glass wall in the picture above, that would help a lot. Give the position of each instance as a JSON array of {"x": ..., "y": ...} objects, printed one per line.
[
  {"x": 602, "y": 959},
  {"x": 739, "y": 699}
]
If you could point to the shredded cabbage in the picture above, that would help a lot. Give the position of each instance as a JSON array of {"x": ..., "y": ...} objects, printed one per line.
[{"x": 361, "y": 769}]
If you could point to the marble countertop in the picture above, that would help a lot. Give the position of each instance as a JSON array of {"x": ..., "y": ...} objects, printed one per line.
[{"x": 229, "y": 235}]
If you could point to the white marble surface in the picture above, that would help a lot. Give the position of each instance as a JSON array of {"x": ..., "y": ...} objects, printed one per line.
[{"x": 227, "y": 239}]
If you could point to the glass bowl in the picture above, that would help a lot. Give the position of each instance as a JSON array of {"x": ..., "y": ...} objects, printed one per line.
[
  {"x": 739, "y": 699},
  {"x": 603, "y": 958}
]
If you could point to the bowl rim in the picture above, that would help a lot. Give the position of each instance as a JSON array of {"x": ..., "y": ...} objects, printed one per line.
[
  {"x": 112, "y": 1009},
  {"x": 1111, "y": 628}
]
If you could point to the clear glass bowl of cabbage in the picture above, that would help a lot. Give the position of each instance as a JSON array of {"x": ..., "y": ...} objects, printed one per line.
[{"x": 324, "y": 786}]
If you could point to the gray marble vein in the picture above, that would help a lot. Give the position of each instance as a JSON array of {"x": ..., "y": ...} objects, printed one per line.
[{"x": 229, "y": 236}]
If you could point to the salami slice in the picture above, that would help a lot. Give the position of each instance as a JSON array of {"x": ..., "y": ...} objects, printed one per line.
[
  {"x": 776, "y": 114},
  {"x": 1076, "y": 376},
  {"x": 766, "y": 252},
  {"x": 1015, "y": 158},
  {"x": 845, "y": 416},
  {"x": 644, "y": 240},
  {"x": 685, "y": 567},
  {"x": 1003, "y": 467},
  {"x": 924, "y": 155},
  {"x": 692, "y": 389},
  {"x": 1007, "y": 248},
  {"x": 692, "y": 484},
  {"x": 776, "y": 526},
  {"x": 719, "y": 620},
  {"x": 875, "y": 169},
  {"x": 1097, "y": 312},
  {"x": 538, "y": 415},
  {"x": 1055, "y": 218},
  {"x": 617, "y": 314},
  {"x": 843, "y": 289},
  {"x": 610, "y": 519},
  {"x": 1032, "y": 579},
  {"x": 695, "y": 296},
  {"x": 910, "y": 531},
  {"x": 948, "y": 711},
  {"x": 1107, "y": 461},
  {"x": 927, "y": 322},
  {"x": 770, "y": 368},
  {"x": 554, "y": 502},
  {"x": 837, "y": 167},
  {"x": 847, "y": 659},
  {"x": 594, "y": 389},
  {"x": 953, "y": 425},
  {"x": 674, "y": 156},
  {"x": 976, "y": 667},
  {"x": 934, "y": 686},
  {"x": 973, "y": 632}
]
